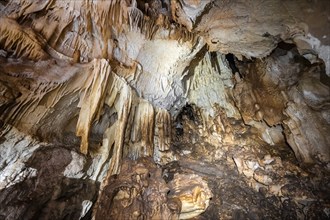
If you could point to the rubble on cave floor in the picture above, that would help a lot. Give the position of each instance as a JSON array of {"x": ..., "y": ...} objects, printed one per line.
[{"x": 250, "y": 179}]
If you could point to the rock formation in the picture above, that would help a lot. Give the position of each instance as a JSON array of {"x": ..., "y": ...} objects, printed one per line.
[{"x": 164, "y": 109}]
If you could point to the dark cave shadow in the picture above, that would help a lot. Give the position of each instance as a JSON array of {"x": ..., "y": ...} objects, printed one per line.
[{"x": 48, "y": 195}]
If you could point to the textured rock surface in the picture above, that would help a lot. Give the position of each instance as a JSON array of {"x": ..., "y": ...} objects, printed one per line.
[
  {"x": 138, "y": 193},
  {"x": 134, "y": 109},
  {"x": 236, "y": 166},
  {"x": 192, "y": 192},
  {"x": 41, "y": 181}
]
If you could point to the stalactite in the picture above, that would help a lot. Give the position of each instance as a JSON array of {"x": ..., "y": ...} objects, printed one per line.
[
  {"x": 135, "y": 18},
  {"x": 140, "y": 141},
  {"x": 206, "y": 82},
  {"x": 163, "y": 130},
  {"x": 92, "y": 101},
  {"x": 21, "y": 41},
  {"x": 123, "y": 114},
  {"x": 66, "y": 33}
]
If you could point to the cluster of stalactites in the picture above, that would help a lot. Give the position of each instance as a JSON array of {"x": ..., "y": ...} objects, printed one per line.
[
  {"x": 139, "y": 129},
  {"x": 79, "y": 31},
  {"x": 20, "y": 41}
]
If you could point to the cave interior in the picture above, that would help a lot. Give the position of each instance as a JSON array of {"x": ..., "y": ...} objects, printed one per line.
[{"x": 164, "y": 109}]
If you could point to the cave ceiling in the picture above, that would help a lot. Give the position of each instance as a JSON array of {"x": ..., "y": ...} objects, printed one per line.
[{"x": 164, "y": 109}]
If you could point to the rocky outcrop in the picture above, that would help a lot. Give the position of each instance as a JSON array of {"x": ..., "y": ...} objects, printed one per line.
[
  {"x": 192, "y": 192},
  {"x": 141, "y": 192},
  {"x": 289, "y": 91},
  {"x": 53, "y": 177}
]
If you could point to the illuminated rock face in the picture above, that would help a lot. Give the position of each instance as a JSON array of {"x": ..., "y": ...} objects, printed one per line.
[
  {"x": 192, "y": 192},
  {"x": 134, "y": 109}
]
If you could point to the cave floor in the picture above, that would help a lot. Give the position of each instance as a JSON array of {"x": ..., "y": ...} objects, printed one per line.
[{"x": 250, "y": 179}]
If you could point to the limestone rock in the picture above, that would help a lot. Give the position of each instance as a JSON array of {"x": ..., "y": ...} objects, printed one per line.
[
  {"x": 193, "y": 193},
  {"x": 138, "y": 109},
  {"x": 22, "y": 42},
  {"x": 125, "y": 196},
  {"x": 14, "y": 157},
  {"x": 207, "y": 89},
  {"x": 261, "y": 177},
  {"x": 307, "y": 141}
]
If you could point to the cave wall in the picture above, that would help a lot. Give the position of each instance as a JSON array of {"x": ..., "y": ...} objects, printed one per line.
[{"x": 92, "y": 83}]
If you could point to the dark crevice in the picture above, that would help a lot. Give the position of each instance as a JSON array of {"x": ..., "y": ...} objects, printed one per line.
[
  {"x": 153, "y": 8},
  {"x": 214, "y": 62},
  {"x": 231, "y": 61},
  {"x": 205, "y": 11},
  {"x": 324, "y": 78},
  {"x": 4, "y": 2},
  {"x": 188, "y": 112},
  {"x": 190, "y": 69},
  {"x": 291, "y": 154},
  {"x": 285, "y": 46}
]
